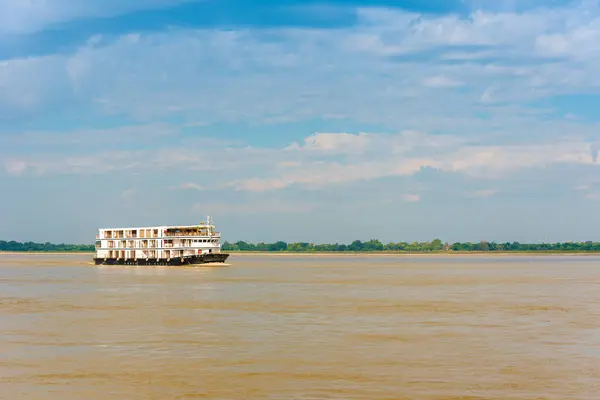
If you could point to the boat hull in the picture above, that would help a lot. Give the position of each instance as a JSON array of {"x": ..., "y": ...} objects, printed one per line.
[{"x": 189, "y": 260}]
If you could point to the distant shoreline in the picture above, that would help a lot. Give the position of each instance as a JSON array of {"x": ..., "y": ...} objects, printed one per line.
[
  {"x": 352, "y": 254},
  {"x": 416, "y": 254}
]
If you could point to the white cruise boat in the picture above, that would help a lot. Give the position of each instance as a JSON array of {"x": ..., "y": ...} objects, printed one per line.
[{"x": 159, "y": 245}]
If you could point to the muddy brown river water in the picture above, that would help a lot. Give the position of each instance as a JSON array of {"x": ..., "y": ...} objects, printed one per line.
[{"x": 302, "y": 327}]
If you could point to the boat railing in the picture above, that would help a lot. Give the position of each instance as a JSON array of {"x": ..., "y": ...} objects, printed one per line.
[
  {"x": 188, "y": 234},
  {"x": 183, "y": 246}
]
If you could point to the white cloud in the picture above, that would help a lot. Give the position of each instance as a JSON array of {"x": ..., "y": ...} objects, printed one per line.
[
  {"x": 517, "y": 30},
  {"x": 191, "y": 186},
  {"x": 15, "y": 167},
  {"x": 411, "y": 198},
  {"x": 335, "y": 143},
  {"x": 580, "y": 42},
  {"x": 571, "y": 116},
  {"x": 129, "y": 194},
  {"x": 497, "y": 161},
  {"x": 441, "y": 81},
  {"x": 373, "y": 73},
  {"x": 592, "y": 196},
  {"x": 306, "y": 73},
  {"x": 272, "y": 206},
  {"x": 260, "y": 185},
  {"x": 289, "y": 164},
  {"x": 483, "y": 193},
  {"x": 267, "y": 169},
  {"x": 475, "y": 160}
]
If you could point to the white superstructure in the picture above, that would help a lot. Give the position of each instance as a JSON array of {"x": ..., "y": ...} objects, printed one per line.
[{"x": 158, "y": 242}]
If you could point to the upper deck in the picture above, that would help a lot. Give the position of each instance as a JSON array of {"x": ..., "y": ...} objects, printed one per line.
[{"x": 166, "y": 231}]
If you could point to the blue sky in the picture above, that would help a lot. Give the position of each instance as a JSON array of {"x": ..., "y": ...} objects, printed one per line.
[{"x": 308, "y": 120}]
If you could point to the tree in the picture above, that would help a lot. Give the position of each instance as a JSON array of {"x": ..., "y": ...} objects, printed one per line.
[
  {"x": 357, "y": 245},
  {"x": 373, "y": 245},
  {"x": 243, "y": 246},
  {"x": 436, "y": 245},
  {"x": 277, "y": 246}
]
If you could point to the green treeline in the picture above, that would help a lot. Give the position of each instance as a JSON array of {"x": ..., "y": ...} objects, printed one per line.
[
  {"x": 415, "y": 247},
  {"x": 45, "y": 247},
  {"x": 357, "y": 246}
]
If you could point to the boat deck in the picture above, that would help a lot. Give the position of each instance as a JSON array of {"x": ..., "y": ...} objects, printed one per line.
[{"x": 188, "y": 260}]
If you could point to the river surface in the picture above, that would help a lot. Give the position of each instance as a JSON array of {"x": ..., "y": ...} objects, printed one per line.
[{"x": 302, "y": 327}]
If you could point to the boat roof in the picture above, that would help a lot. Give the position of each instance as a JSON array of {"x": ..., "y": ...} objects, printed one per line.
[{"x": 201, "y": 225}]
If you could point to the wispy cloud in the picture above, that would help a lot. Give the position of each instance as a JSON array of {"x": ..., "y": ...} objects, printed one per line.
[
  {"x": 15, "y": 167},
  {"x": 483, "y": 193},
  {"x": 592, "y": 195},
  {"x": 441, "y": 81},
  {"x": 254, "y": 207},
  {"x": 306, "y": 73},
  {"x": 338, "y": 161},
  {"x": 411, "y": 198},
  {"x": 334, "y": 143},
  {"x": 190, "y": 186},
  {"x": 397, "y": 155},
  {"x": 129, "y": 194}
]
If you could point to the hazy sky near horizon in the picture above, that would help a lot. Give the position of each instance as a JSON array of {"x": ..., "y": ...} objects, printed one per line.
[{"x": 307, "y": 120}]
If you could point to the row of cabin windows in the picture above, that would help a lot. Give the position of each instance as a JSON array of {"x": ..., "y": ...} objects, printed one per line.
[
  {"x": 154, "y": 243},
  {"x": 131, "y": 233}
]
